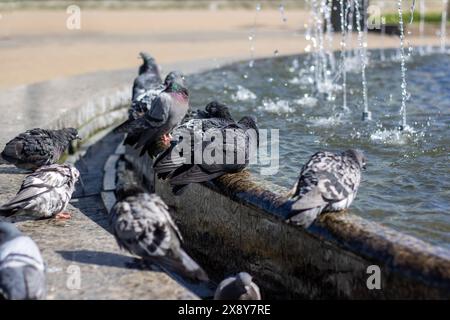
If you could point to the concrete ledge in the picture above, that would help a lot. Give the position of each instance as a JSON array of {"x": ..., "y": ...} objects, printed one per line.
[
  {"x": 237, "y": 224},
  {"x": 82, "y": 257}
]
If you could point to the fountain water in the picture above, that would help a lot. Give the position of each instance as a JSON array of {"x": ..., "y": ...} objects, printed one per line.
[
  {"x": 366, "y": 115},
  {"x": 251, "y": 37},
  {"x": 444, "y": 25},
  {"x": 422, "y": 11},
  {"x": 344, "y": 33},
  {"x": 403, "y": 66}
]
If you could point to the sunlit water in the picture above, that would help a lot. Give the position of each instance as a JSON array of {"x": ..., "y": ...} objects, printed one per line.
[{"x": 407, "y": 183}]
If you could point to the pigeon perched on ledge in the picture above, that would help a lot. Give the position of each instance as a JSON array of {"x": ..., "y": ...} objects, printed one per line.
[
  {"x": 328, "y": 182},
  {"x": 239, "y": 287},
  {"x": 142, "y": 103},
  {"x": 239, "y": 140},
  {"x": 142, "y": 225},
  {"x": 44, "y": 193},
  {"x": 22, "y": 271},
  {"x": 166, "y": 111},
  {"x": 38, "y": 147},
  {"x": 148, "y": 76}
]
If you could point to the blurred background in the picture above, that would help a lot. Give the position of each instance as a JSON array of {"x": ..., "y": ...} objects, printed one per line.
[{"x": 41, "y": 40}]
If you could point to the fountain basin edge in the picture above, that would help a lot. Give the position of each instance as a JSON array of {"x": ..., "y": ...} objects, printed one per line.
[{"x": 237, "y": 224}]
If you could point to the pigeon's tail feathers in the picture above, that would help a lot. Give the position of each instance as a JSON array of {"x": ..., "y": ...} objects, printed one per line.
[
  {"x": 192, "y": 174},
  {"x": 6, "y": 211},
  {"x": 10, "y": 208},
  {"x": 185, "y": 266},
  {"x": 2, "y": 160},
  {"x": 307, "y": 207},
  {"x": 131, "y": 139},
  {"x": 305, "y": 218}
]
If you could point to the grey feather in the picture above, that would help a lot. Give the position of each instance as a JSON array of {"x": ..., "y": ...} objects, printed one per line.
[
  {"x": 44, "y": 193},
  {"x": 38, "y": 147},
  {"x": 328, "y": 182},
  {"x": 142, "y": 225},
  {"x": 22, "y": 271},
  {"x": 239, "y": 287},
  {"x": 181, "y": 167}
]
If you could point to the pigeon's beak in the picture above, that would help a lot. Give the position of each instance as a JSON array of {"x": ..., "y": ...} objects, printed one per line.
[
  {"x": 364, "y": 166},
  {"x": 78, "y": 137}
]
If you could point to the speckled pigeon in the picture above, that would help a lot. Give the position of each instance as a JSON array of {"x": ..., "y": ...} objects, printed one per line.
[
  {"x": 38, "y": 147},
  {"x": 239, "y": 287},
  {"x": 328, "y": 182},
  {"x": 44, "y": 193},
  {"x": 166, "y": 111},
  {"x": 142, "y": 225},
  {"x": 185, "y": 169},
  {"x": 22, "y": 271},
  {"x": 148, "y": 76}
]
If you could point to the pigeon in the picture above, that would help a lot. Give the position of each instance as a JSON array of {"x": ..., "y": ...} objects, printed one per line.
[
  {"x": 214, "y": 109},
  {"x": 181, "y": 170},
  {"x": 38, "y": 147},
  {"x": 239, "y": 287},
  {"x": 142, "y": 225},
  {"x": 328, "y": 182},
  {"x": 142, "y": 103},
  {"x": 148, "y": 76},
  {"x": 22, "y": 270},
  {"x": 44, "y": 193},
  {"x": 166, "y": 111}
]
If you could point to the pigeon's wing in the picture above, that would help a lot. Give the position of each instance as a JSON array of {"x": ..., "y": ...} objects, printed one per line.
[
  {"x": 37, "y": 183},
  {"x": 33, "y": 146},
  {"x": 192, "y": 173},
  {"x": 145, "y": 228},
  {"x": 321, "y": 182},
  {"x": 168, "y": 161},
  {"x": 159, "y": 110}
]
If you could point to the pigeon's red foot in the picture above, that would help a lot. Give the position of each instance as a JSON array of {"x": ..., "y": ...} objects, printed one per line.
[
  {"x": 63, "y": 215},
  {"x": 166, "y": 138}
]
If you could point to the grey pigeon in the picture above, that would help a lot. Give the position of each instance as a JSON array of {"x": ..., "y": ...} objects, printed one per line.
[
  {"x": 22, "y": 271},
  {"x": 44, "y": 193},
  {"x": 239, "y": 287},
  {"x": 166, "y": 111},
  {"x": 148, "y": 76},
  {"x": 38, "y": 147},
  {"x": 328, "y": 182},
  {"x": 183, "y": 169},
  {"x": 142, "y": 225},
  {"x": 142, "y": 103}
]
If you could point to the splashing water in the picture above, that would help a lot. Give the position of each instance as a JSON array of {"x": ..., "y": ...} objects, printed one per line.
[
  {"x": 251, "y": 37},
  {"x": 344, "y": 39},
  {"x": 403, "y": 66},
  {"x": 444, "y": 25},
  {"x": 363, "y": 56}
]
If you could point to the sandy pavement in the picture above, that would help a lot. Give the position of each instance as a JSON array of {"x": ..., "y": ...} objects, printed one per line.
[{"x": 37, "y": 46}]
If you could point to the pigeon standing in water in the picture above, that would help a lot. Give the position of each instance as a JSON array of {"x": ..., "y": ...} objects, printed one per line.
[
  {"x": 142, "y": 225},
  {"x": 166, "y": 111},
  {"x": 44, "y": 193},
  {"x": 328, "y": 182},
  {"x": 22, "y": 271},
  {"x": 38, "y": 147},
  {"x": 240, "y": 139},
  {"x": 240, "y": 287},
  {"x": 148, "y": 76}
]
